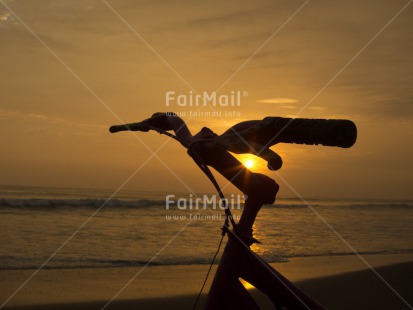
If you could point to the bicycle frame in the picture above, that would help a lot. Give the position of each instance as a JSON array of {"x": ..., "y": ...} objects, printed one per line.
[{"x": 238, "y": 261}]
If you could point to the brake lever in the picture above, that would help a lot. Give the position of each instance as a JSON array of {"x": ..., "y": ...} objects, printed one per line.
[
  {"x": 139, "y": 126},
  {"x": 274, "y": 161},
  {"x": 144, "y": 125}
]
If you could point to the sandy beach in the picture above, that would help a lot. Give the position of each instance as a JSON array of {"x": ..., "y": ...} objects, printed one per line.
[{"x": 338, "y": 282}]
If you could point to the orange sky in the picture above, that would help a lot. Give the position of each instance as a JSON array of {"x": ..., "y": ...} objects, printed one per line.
[{"x": 100, "y": 65}]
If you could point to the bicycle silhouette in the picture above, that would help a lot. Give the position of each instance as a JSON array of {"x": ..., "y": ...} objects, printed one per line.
[{"x": 254, "y": 137}]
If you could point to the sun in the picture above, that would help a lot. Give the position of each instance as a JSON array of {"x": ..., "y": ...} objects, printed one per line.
[{"x": 249, "y": 163}]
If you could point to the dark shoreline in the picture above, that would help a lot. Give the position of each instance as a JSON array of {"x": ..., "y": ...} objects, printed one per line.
[{"x": 352, "y": 290}]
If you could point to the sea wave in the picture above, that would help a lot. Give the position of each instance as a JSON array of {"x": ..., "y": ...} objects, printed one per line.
[
  {"x": 353, "y": 205},
  {"x": 360, "y": 253},
  {"x": 85, "y": 202},
  {"x": 54, "y": 203},
  {"x": 108, "y": 263},
  {"x": 13, "y": 264},
  {"x": 381, "y": 205},
  {"x": 291, "y": 206}
]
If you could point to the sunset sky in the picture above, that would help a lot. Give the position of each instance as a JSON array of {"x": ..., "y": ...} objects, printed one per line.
[{"x": 70, "y": 69}]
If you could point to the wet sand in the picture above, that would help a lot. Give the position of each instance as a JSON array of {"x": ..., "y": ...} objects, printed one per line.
[{"x": 341, "y": 282}]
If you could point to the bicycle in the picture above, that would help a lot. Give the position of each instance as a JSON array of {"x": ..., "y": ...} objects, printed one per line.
[{"x": 255, "y": 137}]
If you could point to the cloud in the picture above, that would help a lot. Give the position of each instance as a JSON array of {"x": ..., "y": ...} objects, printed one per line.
[
  {"x": 316, "y": 108},
  {"x": 7, "y": 114},
  {"x": 5, "y": 16},
  {"x": 278, "y": 100},
  {"x": 225, "y": 18},
  {"x": 288, "y": 103},
  {"x": 68, "y": 5},
  {"x": 6, "y": 19},
  {"x": 288, "y": 107},
  {"x": 26, "y": 117}
]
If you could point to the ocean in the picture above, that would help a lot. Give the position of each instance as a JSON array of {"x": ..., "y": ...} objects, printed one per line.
[{"x": 136, "y": 228}]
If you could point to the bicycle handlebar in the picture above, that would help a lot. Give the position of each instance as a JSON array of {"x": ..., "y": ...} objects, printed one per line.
[{"x": 255, "y": 137}]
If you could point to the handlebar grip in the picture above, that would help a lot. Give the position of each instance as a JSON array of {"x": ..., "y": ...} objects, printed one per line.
[
  {"x": 132, "y": 126},
  {"x": 273, "y": 130},
  {"x": 327, "y": 132}
]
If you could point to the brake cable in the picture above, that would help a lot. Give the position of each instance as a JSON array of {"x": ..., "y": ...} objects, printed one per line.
[
  {"x": 228, "y": 215},
  {"x": 198, "y": 160}
]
